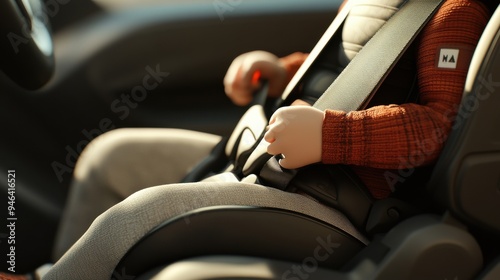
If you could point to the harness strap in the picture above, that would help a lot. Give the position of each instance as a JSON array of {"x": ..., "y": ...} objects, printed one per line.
[
  {"x": 356, "y": 85},
  {"x": 352, "y": 90}
]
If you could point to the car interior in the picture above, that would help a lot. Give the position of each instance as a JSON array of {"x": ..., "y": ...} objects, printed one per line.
[
  {"x": 72, "y": 77},
  {"x": 101, "y": 51}
]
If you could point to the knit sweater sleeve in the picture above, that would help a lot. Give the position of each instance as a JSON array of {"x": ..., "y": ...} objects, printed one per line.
[{"x": 410, "y": 135}]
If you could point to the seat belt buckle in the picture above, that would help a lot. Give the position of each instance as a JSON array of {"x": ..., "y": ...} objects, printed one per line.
[{"x": 275, "y": 176}]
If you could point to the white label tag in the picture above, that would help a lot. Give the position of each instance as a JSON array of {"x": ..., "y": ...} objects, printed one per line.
[{"x": 448, "y": 58}]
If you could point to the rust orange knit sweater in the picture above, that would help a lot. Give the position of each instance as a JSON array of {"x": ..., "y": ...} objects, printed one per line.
[{"x": 384, "y": 143}]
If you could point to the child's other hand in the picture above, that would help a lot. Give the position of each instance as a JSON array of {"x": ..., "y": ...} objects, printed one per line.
[
  {"x": 239, "y": 82},
  {"x": 296, "y": 133}
]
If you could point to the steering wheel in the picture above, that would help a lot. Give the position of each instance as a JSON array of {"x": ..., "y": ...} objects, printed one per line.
[{"x": 27, "y": 51}]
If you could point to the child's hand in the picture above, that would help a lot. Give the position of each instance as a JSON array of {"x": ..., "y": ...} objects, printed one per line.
[
  {"x": 239, "y": 82},
  {"x": 296, "y": 133}
]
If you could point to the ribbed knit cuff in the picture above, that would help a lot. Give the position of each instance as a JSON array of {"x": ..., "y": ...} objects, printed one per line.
[{"x": 334, "y": 137}]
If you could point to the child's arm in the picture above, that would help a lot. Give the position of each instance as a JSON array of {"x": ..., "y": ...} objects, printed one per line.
[
  {"x": 411, "y": 135},
  {"x": 392, "y": 136}
]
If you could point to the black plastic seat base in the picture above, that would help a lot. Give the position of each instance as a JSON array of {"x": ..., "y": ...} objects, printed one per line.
[
  {"x": 422, "y": 247},
  {"x": 241, "y": 230}
]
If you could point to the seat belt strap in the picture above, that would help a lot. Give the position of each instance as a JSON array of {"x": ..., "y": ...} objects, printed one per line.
[
  {"x": 356, "y": 85},
  {"x": 318, "y": 48},
  {"x": 358, "y": 82}
]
